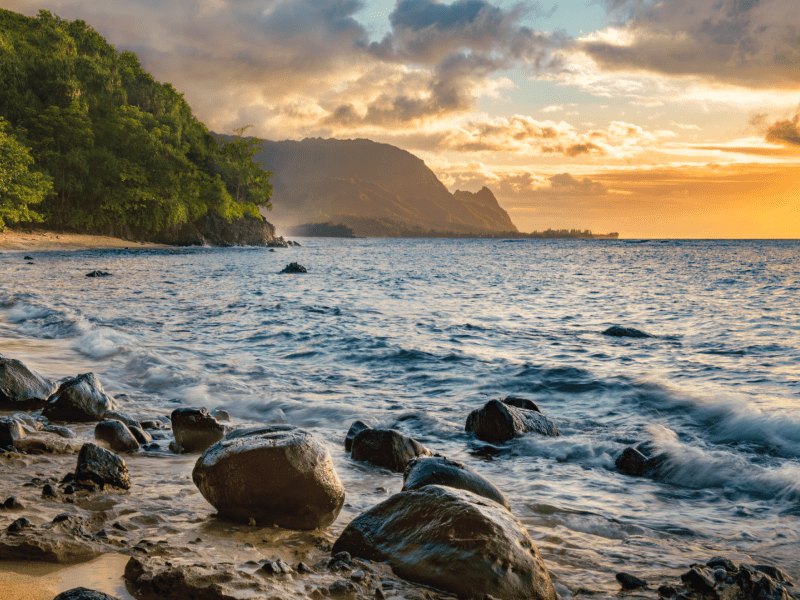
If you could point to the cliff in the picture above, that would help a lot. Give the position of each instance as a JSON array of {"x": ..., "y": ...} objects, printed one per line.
[{"x": 360, "y": 181}]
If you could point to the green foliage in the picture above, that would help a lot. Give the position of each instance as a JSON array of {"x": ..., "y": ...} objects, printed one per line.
[
  {"x": 120, "y": 148},
  {"x": 19, "y": 187}
]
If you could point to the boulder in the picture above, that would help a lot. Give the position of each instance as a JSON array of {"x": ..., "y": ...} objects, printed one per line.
[
  {"x": 277, "y": 474},
  {"x": 355, "y": 428},
  {"x": 195, "y": 429},
  {"x": 452, "y": 540},
  {"x": 618, "y": 331},
  {"x": 101, "y": 466},
  {"x": 630, "y": 582},
  {"x": 499, "y": 422},
  {"x": 82, "y": 593},
  {"x": 21, "y": 388},
  {"x": 386, "y": 448},
  {"x": 116, "y": 435},
  {"x": 437, "y": 470},
  {"x": 10, "y": 431},
  {"x": 81, "y": 399}
]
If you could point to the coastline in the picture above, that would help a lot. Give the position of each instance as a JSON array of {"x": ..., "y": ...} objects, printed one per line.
[{"x": 44, "y": 240}]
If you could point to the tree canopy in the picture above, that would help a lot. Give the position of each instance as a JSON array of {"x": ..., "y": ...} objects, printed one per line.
[{"x": 94, "y": 141}]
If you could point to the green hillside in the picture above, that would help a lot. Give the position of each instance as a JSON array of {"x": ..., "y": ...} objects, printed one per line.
[{"x": 90, "y": 141}]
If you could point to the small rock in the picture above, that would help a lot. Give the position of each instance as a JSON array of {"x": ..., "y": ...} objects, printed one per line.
[
  {"x": 379, "y": 595},
  {"x": 81, "y": 399},
  {"x": 499, "y": 422},
  {"x": 386, "y": 448},
  {"x": 271, "y": 568},
  {"x": 13, "y": 504},
  {"x": 294, "y": 268},
  {"x": 630, "y": 582},
  {"x": 11, "y": 430},
  {"x": 64, "y": 432},
  {"x": 342, "y": 588},
  {"x": 221, "y": 415},
  {"x": 151, "y": 424},
  {"x": 719, "y": 561},
  {"x": 27, "y": 258},
  {"x": 101, "y": 466},
  {"x": 175, "y": 448},
  {"x": 354, "y": 430},
  {"x": 618, "y": 331},
  {"x": 357, "y": 575},
  {"x": 667, "y": 591},
  {"x": 19, "y": 524},
  {"x": 114, "y": 415},
  {"x": 195, "y": 429},
  {"x": 49, "y": 491},
  {"x": 141, "y": 435},
  {"x": 632, "y": 462},
  {"x": 99, "y": 274},
  {"x": 69, "y": 490},
  {"x": 116, "y": 435},
  {"x": 697, "y": 580},
  {"x": 774, "y": 573},
  {"x": 304, "y": 568}
]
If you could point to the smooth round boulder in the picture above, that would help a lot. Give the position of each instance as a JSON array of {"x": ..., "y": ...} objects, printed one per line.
[
  {"x": 278, "y": 474},
  {"x": 437, "y": 470},
  {"x": 500, "y": 422},
  {"x": 21, "y": 388},
  {"x": 116, "y": 435},
  {"x": 195, "y": 429},
  {"x": 452, "y": 540},
  {"x": 386, "y": 448},
  {"x": 115, "y": 415},
  {"x": 355, "y": 429},
  {"x": 82, "y": 593},
  {"x": 101, "y": 466},
  {"x": 79, "y": 400}
]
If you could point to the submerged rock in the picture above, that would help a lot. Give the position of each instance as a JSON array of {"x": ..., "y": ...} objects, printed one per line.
[
  {"x": 386, "y": 448},
  {"x": 637, "y": 461},
  {"x": 99, "y": 274},
  {"x": 277, "y": 474},
  {"x": 98, "y": 465},
  {"x": 195, "y": 429},
  {"x": 618, "y": 331},
  {"x": 116, "y": 435},
  {"x": 452, "y": 540},
  {"x": 141, "y": 435},
  {"x": 21, "y": 388},
  {"x": 115, "y": 415},
  {"x": 354, "y": 430},
  {"x": 630, "y": 582},
  {"x": 81, "y": 399},
  {"x": 294, "y": 268},
  {"x": 499, "y": 422},
  {"x": 29, "y": 423},
  {"x": 60, "y": 431},
  {"x": 436, "y": 470}
]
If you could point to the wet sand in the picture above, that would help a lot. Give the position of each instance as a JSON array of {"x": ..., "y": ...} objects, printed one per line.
[{"x": 42, "y": 240}]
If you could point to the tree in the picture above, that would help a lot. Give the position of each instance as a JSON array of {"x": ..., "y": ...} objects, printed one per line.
[
  {"x": 244, "y": 178},
  {"x": 19, "y": 187}
]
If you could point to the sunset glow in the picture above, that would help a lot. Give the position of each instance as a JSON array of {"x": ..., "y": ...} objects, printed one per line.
[{"x": 653, "y": 119}]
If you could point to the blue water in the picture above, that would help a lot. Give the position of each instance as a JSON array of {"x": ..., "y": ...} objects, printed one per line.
[{"x": 414, "y": 334}]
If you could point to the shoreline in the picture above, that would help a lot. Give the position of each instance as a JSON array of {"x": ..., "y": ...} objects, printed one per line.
[{"x": 45, "y": 240}]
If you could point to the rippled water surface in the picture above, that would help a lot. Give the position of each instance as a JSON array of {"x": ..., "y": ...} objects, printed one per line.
[{"x": 414, "y": 334}]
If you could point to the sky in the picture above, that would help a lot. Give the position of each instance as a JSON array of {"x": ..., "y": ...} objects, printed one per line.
[{"x": 678, "y": 118}]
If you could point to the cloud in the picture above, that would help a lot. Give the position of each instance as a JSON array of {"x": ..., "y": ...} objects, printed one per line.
[
  {"x": 785, "y": 132},
  {"x": 749, "y": 43}
]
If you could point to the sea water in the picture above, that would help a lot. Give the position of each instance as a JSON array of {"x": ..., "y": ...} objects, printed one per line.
[{"x": 415, "y": 334}]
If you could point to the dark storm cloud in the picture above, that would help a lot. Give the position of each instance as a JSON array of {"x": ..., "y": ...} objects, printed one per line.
[{"x": 752, "y": 43}]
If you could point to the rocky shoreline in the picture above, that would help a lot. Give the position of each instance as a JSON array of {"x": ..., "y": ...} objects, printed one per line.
[{"x": 81, "y": 478}]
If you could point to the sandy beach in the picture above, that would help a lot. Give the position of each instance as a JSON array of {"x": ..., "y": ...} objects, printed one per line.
[{"x": 39, "y": 240}]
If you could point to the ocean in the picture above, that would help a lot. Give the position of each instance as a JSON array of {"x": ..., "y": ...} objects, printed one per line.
[{"x": 415, "y": 334}]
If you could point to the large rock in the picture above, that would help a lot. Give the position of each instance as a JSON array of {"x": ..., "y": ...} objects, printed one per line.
[
  {"x": 452, "y": 540},
  {"x": 386, "y": 448},
  {"x": 21, "y": 388},
  {"x": 98, "y": 465},
  {"x": 437, "y": 470},
  {"x": 11, "y": 430},
  {"x": 277, "y": 474},
  {"x": 116, "y": 435},
  {"x": 82, "y": 593},
  {"x": 195, "y": 429},
  {"x": 499, "y": 422},
  {"x": 81, "y": 399}
]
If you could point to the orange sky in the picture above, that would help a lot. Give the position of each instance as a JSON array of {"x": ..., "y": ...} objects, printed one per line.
[{"x": 678, "y": 118}]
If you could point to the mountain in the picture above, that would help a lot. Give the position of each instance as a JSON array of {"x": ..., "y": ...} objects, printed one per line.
[{"x": 376, "y": 189}]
